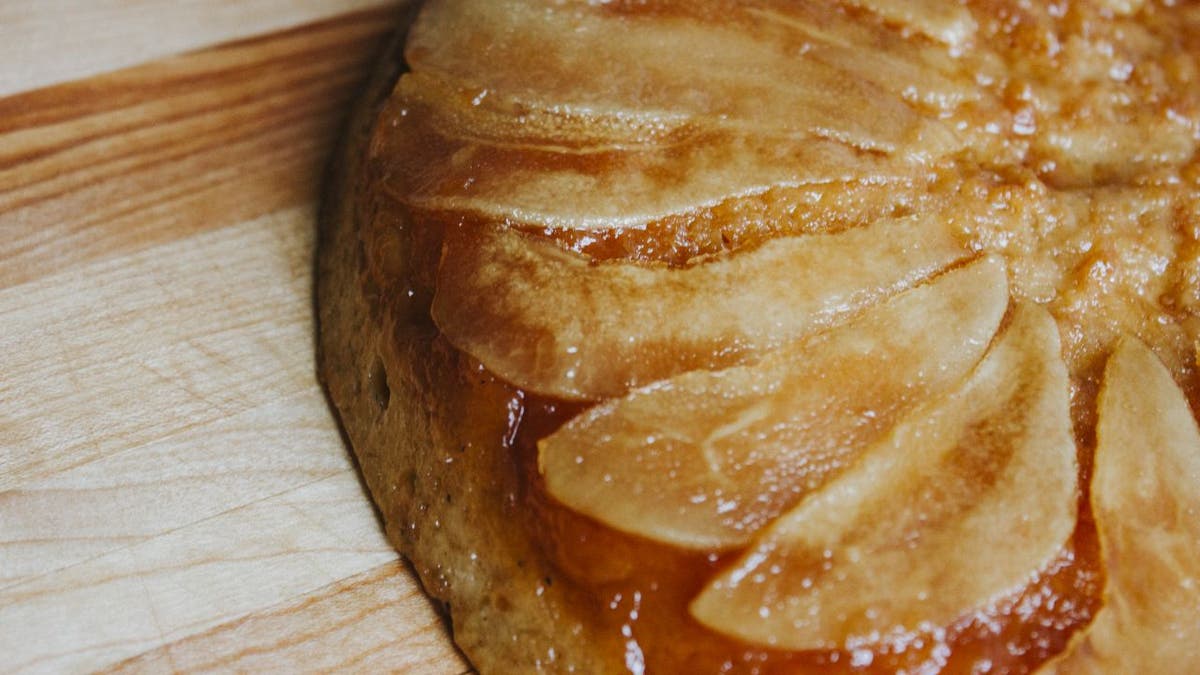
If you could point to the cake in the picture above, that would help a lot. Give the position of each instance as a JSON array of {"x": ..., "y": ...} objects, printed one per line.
[{"x": 767, "y": 337}]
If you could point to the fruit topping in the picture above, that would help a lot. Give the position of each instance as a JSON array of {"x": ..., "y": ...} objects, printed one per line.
[
  {"x": 961, "y": 504},
  {"x": 551, "y": 322},
  {"x": 706, "y": 458},
  {"x": 1146, "y": 500}
]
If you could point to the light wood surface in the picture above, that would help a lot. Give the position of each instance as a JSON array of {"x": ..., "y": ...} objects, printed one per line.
[
  {"x": 45, "y": 42},
  {"x": 174, "y": 492}
]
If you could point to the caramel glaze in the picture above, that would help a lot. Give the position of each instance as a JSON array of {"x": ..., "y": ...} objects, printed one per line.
[
  {"x": 1067, "y": 250},
  {"x": 641, "y": 590},
  {"x": 683, "y": 239}
]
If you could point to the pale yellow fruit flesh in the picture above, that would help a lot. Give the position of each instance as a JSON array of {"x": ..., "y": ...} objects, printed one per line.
[
  {"x": 552, "y": 323},
  {"x": 1146, "y": 500},
  {"x": 959, "y": 505},
  {"x": 905, "y": 68},
  {"x": 586, "y": 116},
  {"x": 705, "y": 459},
  {"x": 602, "y": 63}
]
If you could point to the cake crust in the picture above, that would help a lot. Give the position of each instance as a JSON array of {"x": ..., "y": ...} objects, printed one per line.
[
  {"x": 449, "y": 416},
  {"x": 429, "y": 447}
]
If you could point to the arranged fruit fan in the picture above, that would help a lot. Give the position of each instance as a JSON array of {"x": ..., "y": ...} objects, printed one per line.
[{"x": 786, "y": 336}]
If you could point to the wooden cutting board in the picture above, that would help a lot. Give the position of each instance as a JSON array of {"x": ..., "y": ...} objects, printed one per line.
[{"x": 174, "y": 491}]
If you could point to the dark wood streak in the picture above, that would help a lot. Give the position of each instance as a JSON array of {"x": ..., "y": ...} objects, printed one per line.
[{"x": 161, "y": 151}]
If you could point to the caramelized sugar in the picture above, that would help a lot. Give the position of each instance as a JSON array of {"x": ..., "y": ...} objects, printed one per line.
[
  {"x": 1103, "y": 233},
  {"x": 744, "y": 222},
  {"x": 642, "y": 589}
]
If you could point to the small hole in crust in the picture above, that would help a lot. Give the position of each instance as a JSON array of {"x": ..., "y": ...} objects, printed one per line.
[{"x": 377, "y": 382}]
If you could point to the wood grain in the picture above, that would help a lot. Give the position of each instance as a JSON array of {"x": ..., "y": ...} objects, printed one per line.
[
  {"x": 361, "y": 624},
  {"x": 167, "y": 149},
  {"x": 51, "y": 41},
  {"x": 174, "y": 492}
]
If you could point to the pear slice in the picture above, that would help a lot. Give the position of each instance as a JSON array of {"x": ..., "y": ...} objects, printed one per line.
[
  {"x": 947, "y": 22},
  {"x": 578, "y": 58},
  {"x": 905, "y": 68},
  {"x": 550, "y": 322},
  {"x": 1146, "y": 499},
  {"x": 705, "y": 459},
  {"x": 964, "y": 501},
  {"x": 598, "y": 115}
]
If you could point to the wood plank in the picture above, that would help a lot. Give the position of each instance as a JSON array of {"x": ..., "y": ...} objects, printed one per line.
[
  {"x": 52, "y": 41},
  {"x": 362, "y": 624},
  {"x": 167, "y": 149},
  {"x": 191, "y": 579},
  {"x": 191, "y": 527},
  {"x": 174, "y": 492},
  {"x": 198, "y": 473},
  {"x": 125, "y": 351}
]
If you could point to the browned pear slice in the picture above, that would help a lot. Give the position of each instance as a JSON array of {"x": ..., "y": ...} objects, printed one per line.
[
  {"x": 550, "y": 322},
  {"x": 1146, "y": 499},
  {"x": 907, "y": 69},
  {"x": 961, "y": 503},
  {"x": 705, "y": 459},
  {"x": 591, "y": 174},
  {"x": 586, "y": 58},
  {"x": 599, "y": 115}
]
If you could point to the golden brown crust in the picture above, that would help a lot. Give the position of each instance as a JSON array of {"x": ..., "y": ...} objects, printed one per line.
[{"x": 429, "y": 453}]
